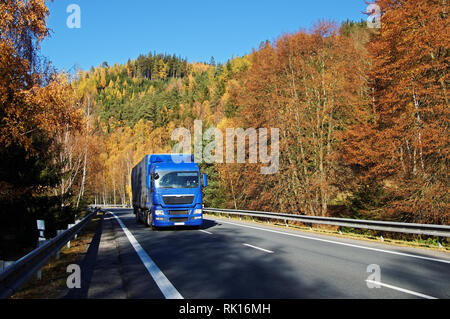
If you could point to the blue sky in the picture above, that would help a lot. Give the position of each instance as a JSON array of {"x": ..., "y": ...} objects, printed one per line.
[{"x": 114, "y": 31}]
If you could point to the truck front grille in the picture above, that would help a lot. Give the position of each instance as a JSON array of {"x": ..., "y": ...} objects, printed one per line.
[
  {"x": 178, "y": 200},
  {"x": 179, "y": 219},
  {"x": 178, "y": 212}
]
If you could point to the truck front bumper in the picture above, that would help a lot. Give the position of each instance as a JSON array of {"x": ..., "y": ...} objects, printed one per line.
[
  {"x": 180, "y": 216},
  {"x": 168, "y": 221}
]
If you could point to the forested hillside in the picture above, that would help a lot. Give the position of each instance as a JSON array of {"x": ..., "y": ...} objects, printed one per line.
[
  {"x": 132, "y": 110},
  {"x": 363, "y": 118}
]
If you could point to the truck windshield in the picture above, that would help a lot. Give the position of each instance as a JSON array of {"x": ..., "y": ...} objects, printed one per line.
[{"x": 177, "y": 180}]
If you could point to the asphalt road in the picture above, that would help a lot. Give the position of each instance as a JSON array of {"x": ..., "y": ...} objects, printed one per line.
[{"x": 236, "y": 260}]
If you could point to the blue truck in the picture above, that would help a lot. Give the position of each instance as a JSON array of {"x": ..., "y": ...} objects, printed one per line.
[{"x": 167, "y": 191}]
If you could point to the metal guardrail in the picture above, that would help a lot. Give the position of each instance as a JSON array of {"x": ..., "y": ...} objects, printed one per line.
[
  {"x": 111, "y": 206},
  {"x": 17, "y": 274},
  {"x": 384, "y": 226}
]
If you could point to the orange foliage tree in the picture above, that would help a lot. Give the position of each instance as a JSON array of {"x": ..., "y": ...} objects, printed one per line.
[
  {"x": 405, "y": 148},
  {"x": 35, "y": 102},
  {"x": 309, "y": 85}
]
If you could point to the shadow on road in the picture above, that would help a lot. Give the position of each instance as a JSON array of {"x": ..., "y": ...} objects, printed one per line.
[{"x": 87, "y": 266}]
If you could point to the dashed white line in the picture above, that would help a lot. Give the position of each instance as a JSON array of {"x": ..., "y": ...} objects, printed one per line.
[
  {"x": 418, "y": 294},
  {"x": 341, "y": 243},
  {"x": 259, "y": 248},
  {"x": 166, "y": 287},
  {"x": 205, "y": 231}
]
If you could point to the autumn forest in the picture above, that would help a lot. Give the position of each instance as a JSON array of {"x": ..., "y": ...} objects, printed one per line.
[{"x": 363, "y": 117}]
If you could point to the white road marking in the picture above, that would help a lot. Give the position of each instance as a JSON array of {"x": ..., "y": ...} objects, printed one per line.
[
  {"x": 341, "y": 243},
  {"x": 259, "y": 248},
  {"x": 166, "y": 287},
  {"x": 401, "y": 289},
  {"x": 204, "y": 231}
]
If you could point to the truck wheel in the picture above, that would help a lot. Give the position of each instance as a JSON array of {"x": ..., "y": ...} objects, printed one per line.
[
  {"x": 148, "y": 219},
  {"x": 138, "y": 220}
]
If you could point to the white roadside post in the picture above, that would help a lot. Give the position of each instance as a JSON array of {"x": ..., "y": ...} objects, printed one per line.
[
  {"x": 41, "y": 241},
  {"x": 68, "y": 227},
  {"x": 41, "y": 227}
]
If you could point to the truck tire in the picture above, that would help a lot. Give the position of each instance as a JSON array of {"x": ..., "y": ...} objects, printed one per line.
[
  {"x": 138, "y": 219},
  {"x": 148, "y": 219}
]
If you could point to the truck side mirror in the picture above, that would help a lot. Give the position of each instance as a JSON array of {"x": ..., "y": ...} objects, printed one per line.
[{"x": 205, "y": 180}]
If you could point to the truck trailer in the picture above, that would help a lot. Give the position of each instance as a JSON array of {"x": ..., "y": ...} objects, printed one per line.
[{"x": 167, "y": 191}]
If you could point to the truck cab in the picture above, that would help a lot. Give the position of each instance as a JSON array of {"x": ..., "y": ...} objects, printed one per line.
[{"x": 173, "y": 191}]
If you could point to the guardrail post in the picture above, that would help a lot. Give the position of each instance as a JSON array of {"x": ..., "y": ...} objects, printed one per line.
[
  {"x": 58, "y": 232},
  {"x": 286, "y": 223},
  {"x": 4, "y": 264},
  {"x": 76, "y": 235},
  {"x": 340, "y": 230},
  {"x": 68, "y": 227},
  {"x": 440, "y": 241},
  {"x": 310, "y": 226},
  {"x": 382, "y": 236},
  {"x": 41, "y": 242}
]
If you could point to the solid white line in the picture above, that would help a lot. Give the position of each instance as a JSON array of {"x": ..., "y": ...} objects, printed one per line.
[
  {"x": 166, "y": 287},
  {"x": 259, "y": 248},
  {"x": 401, "y": 289},
  {"x": 204, "y": 231},
  {"x": 343, "y": 244}
]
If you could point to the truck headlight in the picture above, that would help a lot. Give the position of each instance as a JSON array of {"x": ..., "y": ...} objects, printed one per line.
[
  {"x": 198, "y": 211},
  {"x": 159, "y": 212}
]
